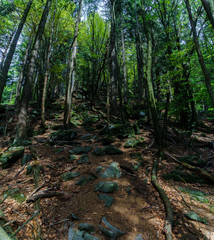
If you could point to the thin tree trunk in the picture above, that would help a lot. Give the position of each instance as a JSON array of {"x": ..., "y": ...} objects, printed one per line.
[
  {"x": 21, "y": 76},
  {"x": 124, "y": 66},
  {"x": 27, "y": 88},
  {"x": 72, "y": 70},
  {"x": 209, "y": 8},
  {"x": 200, "y": 55},
  {"x": 5, "y": 69},
  {"x": 47, "y": 73}
]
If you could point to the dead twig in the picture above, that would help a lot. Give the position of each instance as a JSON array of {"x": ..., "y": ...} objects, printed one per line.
[{"x": 20, "y": 228}]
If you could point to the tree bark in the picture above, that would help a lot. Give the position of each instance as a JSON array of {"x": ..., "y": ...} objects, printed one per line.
[
  {"x": 72, "y": 70},
  {"x": 200, "y": 55},
  {"x": 5, "y": 69},
  {"x": 209, "y": 8},
  {"x": 47, "y": 72},
  {"x": 21, "y": 129}
]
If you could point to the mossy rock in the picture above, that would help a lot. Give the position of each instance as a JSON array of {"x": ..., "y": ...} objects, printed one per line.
[
  {"x": 121, "y": 131},
  {"x": 107, "y": 199},
  {"x": 112, "y": 171},
  {"x": 85, "y": 180},
  {"x": 133, "y": 142},
  {"x": 98, "y": 152},
  {"x": 81, "y": 150},
  {"x": 90, "y": 120},
  {"x": 106, "y": 187},
  {"x": 83, "y": 159},
  {"x": 86, "y": 137},
  {"x": 16, "y": 195},
  {"x": 76, "y": 234},
  {"x": 70, "y": 176},
  {"x": 67, "y": 135},
  {"x": 34, "y": 169},
  {"x": 106, "y": 141},
  {"x": 72, "y": 158},
  {"x": 135, "y": 154},
  {"x": 86, "y": 227},
  {"x": 11, "y": 156},
  {"x": 112, "y": 150},
  {"x": 195, "y": 217}
]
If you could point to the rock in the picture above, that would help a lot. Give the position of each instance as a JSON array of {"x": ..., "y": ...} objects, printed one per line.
[
  {"x": 112, "y": 171},
  {"x": 34, "y": 168},
  {"x": 83, "y": 159},
  {"x": 98, "y": 170},
  {"x": 21, "y": 142},
  {"x": 136, "y": 154},
  {"x": 106, "y": 141},
  {"x": 112, "y": 150},
  {"x": 106, "y": 187},
  {"x": 139, "y": 237},
  {"x": 90, "y": 120},
  {"x": 194, "y": 216},
  {"x": 58, "y": 150},
  {"x": 67, "y": 135},
  {"x": 98, "y": 152},
  {"x": 108, "y": 199},
  {"x": 136, "y": 167},
  {"x": 84, "y": 180},
  {"x": 72, "y": 158},
  {"x": 86, "y": 137},
  {"x": 26, "y": 159},
  {"x": 128, "y": 190},
  {"x": 75, "y": 234},
  {"x": 81, "y": 150},
  {"x": 112, "y": 232},
  {"x": 133, "y": 142},
  {"x": 11, "y": 156},
  {"x": 119, "y": 130},
  {"x": 86, "y": 227},
  {"x": 70, "y": 176}
]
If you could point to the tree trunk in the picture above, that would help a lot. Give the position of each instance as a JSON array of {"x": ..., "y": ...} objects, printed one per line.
[
  {"x": 124, "y": 67},
  {"x": 21, "y": 76},
  {"x": 209, "y": 8},
  {"x": 5, "y": 69},
  {"x": 72, "y": 70},
  {"x": 47, "y": 73},
  {"x": 113, "y": 61},
  {"x": 200, "y": 56},
  {"x": 27, "y": 88}
]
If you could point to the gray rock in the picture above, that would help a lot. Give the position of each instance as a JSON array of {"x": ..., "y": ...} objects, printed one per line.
[
  {"x": 106, "y": 187},
  {"x": 84, "y": 180},
  {"x": 67, "y": 135},
  {"x": 108, "y": 199},
  {"x": 139, "y": 237},
  {"x": 83, "y": 159},
  {"x": 70, "y": 176},
  {"x": 81, "y": 150},
  {"x": 98, "y": 169},
  {"x": 11, "y": 156},
  {"x": 112, "y": 150},
  {"x": 112, "y": 171},
  {"x": 86, "y": 227},
  {"x": 112, "y": 231},
  {"x": 75, "y": 234}
]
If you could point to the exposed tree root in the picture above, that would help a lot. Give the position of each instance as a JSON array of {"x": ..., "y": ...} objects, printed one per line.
[
  {"x": 207, "y": 176},
  {"x": 168, "y": 208},
  {"x": 44, "y": 194}
]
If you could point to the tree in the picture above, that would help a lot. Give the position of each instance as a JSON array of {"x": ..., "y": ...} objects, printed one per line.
[
  {"x": 7, "y": 62},
  {"x": 21, "y": 129}
]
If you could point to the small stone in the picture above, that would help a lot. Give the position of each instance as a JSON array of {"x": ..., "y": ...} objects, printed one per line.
[
  {"x": 108, "y": 199},
  {"x": 137, "y": 166},
  {"x": 84, "y": 180},
  {"x": 72, "y": 158},
  {"x": 106, "y": 187},
  {"x": 70, "y": 176},
  {"x": 83, "y": 159},
  {"x": 139, "y": 237}
]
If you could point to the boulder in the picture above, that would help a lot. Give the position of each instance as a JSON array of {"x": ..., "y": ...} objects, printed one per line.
[
  {"x": 98, "y": 152},
  {"x": 112, "y": 171},
  {"x": 86, "y": 227},
  {"x": 112, "y": 150},
  {"x": 83, "y": 159},
  {"x": 81, "y": 150},
  {"x": 67, "y": 135},
  {"x": 11, "y": 156}
]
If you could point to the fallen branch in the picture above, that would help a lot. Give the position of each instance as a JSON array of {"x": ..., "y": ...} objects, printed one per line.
[
  {"x": 20, "y": 228},
  {"x": 43, "y": 194},
  {"x": 168, "y": 208},
  {"x": 207, "y": 176},
  {"x": 36, "y": 190}
]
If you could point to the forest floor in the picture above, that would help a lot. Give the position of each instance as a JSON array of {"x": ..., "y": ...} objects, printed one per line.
[{"x": 137, "y": 207}]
